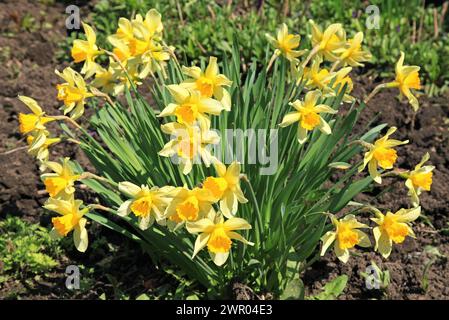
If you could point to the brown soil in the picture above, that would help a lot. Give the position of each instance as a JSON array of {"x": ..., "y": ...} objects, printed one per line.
[{"x": 27, "y": 66}]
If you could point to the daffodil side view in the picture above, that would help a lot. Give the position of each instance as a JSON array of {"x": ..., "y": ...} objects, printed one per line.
[{"x": 182, "y": 173}]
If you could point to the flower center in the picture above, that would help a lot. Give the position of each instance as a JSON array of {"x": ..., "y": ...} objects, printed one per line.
[
  {"x": 285, "y": 45},
  {"x": 186, "y": 113},
  {"x": 219, "y": 241},
  {"x": 69, "y": 94},
  {"x": 141, "y": 207},
  {"x": 216, "y": 186},
  {"x": 65, "y": 223},
  {"x": 422, "y": 180},
  {"x": 78, "y": 54},
  {"x": 396, "y": 231},
  {"x": 205, "y": 86},
  {"x": 27, "y": 122},
  {"x": 137, "y": 47},
  {"x": 386, "y": 157},
  {"x": 54, "y": 185},
  {"x": 188, "y": 209},
  {"x": 413, "y": 81},
  {"x": 347, "y": 238},
  {"x": 309, "y": 119}
]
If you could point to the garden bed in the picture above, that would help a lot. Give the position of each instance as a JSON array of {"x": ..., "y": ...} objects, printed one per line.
[{"x": 28, "y": 67}]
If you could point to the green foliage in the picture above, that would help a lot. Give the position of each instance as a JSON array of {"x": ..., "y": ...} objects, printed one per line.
[
  {"x": 332, "y": 289},
  {"x": 435, "y": 255},
  {"x": 26, "y": 247}
]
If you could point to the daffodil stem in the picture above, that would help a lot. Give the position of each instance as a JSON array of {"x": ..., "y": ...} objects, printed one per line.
[
  {"x": 73, "y": 140},
  {"x": 374, "y": 92},
  {"x": 371, "y": 209},
  {"x": 256, "y": 204},
  {"x": 100, "y": 94},
  {"x": 89, "y": 175},
  {"x": 68, "y": 119},
  {"x": 361, "y": 142},
  {"x": 13, "y": 150},
  {"x": 312, "y": 53},
  {"x": 100, "y": 207}
]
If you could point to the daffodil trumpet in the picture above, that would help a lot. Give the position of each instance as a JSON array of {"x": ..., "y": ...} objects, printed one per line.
[
  {"x": 345, "y": 237},
  {"x": 381, "y": 154},
  {"x": 90, "y": 175},
  {"x": 393, "y": 228},
  {"x": 217, "y": 234},
  {"x": 419, "y": 179},
  {"x": 71, "y": 219},
  {"x": 376, "y": 91}
]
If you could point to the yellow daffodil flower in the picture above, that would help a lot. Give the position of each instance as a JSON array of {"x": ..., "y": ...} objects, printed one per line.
[
  {"x": 341, "y": 79},
  {"x": 34, "y": 121},
  {"x": 106, "y": 79},
  {"x": 407, "y": 77},
  {"x": 71, "y": 219},
  {"x": 154, "y": 58},
  {"x": 137, "y": 34},
  {"x": 381, "y": 154},
  {"x": 352, "y": 54},
  {"x": 148, "y": 204},
  {"x": 87, "y": 51},
  {"x": 209, "y": 83},
  {"x": 190, "y": 106},
  {"x": 345, "y": 237},
  {"x": 393, "y": 227},
  {"x": 188, "y": 205},
  {"x": 140, "y": 39},
  {"x": 189, "y": 145},
  {"x": 286, "y": 43},
  {"x": 152, "y": 22},
  {"x": 73, "y": 93},
  {"x": 226, "y": 187},
  {"x": 62, "y": 180},
  {"x": 419, "y": 179},
  {"x": 217, "y": 235},
  {"x": 307, "y": 115},
  {"x": 326, "y": 43},
  {"x": 121, "y": 49},
  {"x": 40, "y": 149},
  {"x": 318, "y": 78}
]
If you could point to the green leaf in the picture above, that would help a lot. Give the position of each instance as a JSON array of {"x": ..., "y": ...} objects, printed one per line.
[
  {"x": 293, "y": 291},
  {"x": 332, "y": 289}
]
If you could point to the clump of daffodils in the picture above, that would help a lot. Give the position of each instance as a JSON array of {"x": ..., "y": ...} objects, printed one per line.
[
  {"x": 331, "y": 46},
  {"x": 207, "y": 209},
  {"x": 138, "y": 51}
]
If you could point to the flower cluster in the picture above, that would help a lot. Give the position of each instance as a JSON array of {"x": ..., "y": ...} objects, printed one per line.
[
  {"x": 391, "y": 227},
  {"x": 332, "y": 45},
  {"x": 138, "y": 51},
  {"x": 60, "y": 186},
  {"x": 201, "y": 95},
  {"x": 33, "y": 126},
  {"x": 175, "y": 207}
]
